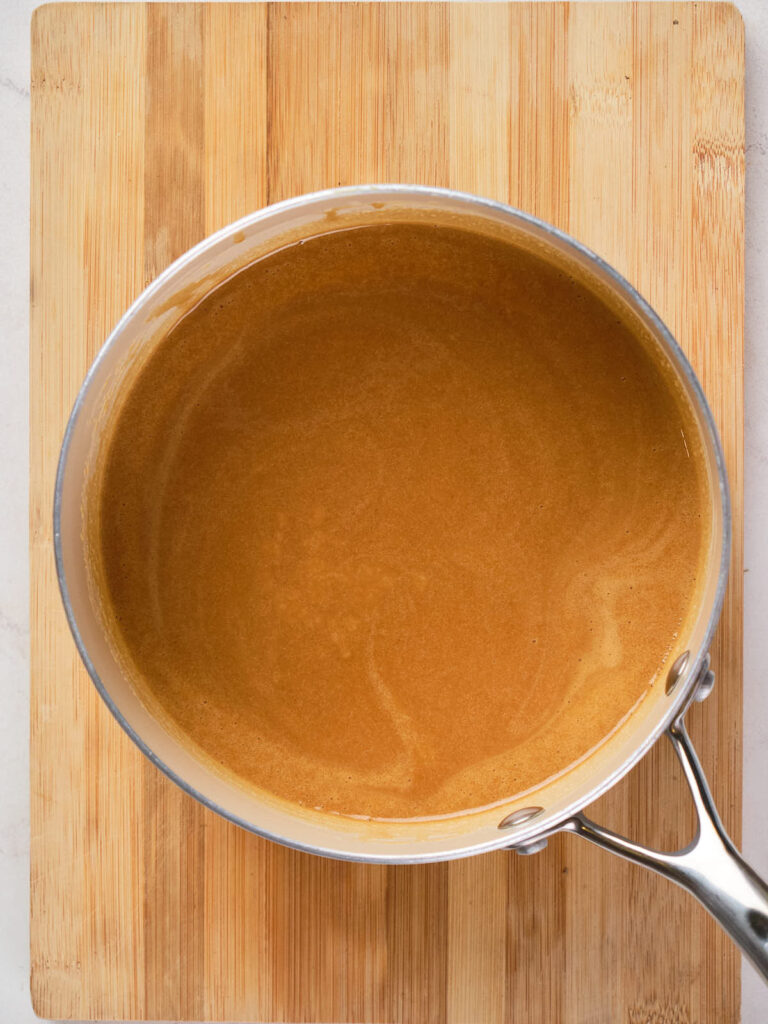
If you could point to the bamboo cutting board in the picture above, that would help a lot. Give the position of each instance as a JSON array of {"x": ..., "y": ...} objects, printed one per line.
[{"x": 153, "y": 126}]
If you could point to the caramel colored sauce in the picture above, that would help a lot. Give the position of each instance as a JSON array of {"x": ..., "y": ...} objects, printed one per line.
[{"x": 392, "y": 523}]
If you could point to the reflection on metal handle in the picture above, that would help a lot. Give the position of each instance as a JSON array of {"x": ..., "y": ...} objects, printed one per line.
[{"x": 710, "y": 867}]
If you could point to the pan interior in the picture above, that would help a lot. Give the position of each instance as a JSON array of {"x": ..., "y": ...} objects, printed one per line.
[{"x": 402, "y": 522}]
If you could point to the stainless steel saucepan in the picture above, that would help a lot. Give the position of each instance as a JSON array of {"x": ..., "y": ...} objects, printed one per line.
[{"x": 710, "y": 867}]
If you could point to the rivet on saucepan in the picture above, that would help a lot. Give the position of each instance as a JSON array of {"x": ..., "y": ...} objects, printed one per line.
[
  {"x": 704, "y": 688},
  {"x": 528, "y": 848},
  {"x": 677, "y": 671},
  {"x": 518, "y": 817},
  {"x": 706, "y": 681}
]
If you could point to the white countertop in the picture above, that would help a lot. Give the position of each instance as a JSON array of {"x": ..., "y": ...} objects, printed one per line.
[{"x": 15, "y": 1002}]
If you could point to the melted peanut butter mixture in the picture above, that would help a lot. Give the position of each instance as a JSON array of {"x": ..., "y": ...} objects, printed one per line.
[{"x": 399, "y": 522}]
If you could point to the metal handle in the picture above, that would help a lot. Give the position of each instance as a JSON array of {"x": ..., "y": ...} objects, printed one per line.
[{"x": 710, "y": 867}]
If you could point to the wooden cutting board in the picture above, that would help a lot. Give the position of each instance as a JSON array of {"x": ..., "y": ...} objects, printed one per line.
[{"x": 153, "y": 126}]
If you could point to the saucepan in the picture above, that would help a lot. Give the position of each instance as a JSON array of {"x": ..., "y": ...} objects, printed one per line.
[{"x": 710, "y": 867}]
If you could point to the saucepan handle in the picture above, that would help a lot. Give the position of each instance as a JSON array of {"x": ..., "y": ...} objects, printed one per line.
[{"x": 710, "y": 867}]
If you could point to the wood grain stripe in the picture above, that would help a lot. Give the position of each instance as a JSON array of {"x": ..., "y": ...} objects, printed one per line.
[
  {"x": 86, "y": 269},
  {"x": 234, "y": 151},
  {"x": 174, "y": 197},
  {"x": 417, "y": 919},
  {"x": 540, "y": 133},
  {"x": 716, "y": 310},
  {"x": 174, "y": 220}
]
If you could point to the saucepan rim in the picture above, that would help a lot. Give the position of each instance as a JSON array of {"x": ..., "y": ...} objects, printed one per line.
[{"x": 678, "y": 700}]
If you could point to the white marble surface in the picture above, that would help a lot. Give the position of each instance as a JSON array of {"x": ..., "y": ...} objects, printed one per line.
[{"x": 15, "y": 1003}]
